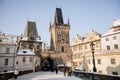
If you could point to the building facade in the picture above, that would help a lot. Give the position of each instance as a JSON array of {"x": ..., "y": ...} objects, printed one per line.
[
  {"x": 29, "y": 40},
  {"x": 107, "y": 52},
  {"x": 26, "y": 60},
  {"x": 81, "y": 49},
  {"x": 7, "y": 52},
  {"x": 110, "y": 52},
  {"x": 59, "y": 38}
]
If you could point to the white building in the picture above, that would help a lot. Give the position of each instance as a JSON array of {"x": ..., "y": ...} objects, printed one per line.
[
  {"x": 110, "y": 40},
  {"x": 14, "y": 38},
  {"x": 110, "y": 53},
  {"x": 7, "y": 53},
  {"x": 27, "y": 60}
]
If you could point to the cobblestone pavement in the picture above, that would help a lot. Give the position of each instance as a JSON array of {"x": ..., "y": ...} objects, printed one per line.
[{"x": 42, "y": 75}]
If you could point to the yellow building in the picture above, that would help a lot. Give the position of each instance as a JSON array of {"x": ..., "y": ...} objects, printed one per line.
[
  {"x": 81, "y": 49},
  {"x": 106, "y": 54}
]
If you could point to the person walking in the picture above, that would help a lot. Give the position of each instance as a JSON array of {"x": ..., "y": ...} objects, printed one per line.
[
  {"x": 70, "y": 71},
  {"x": 56, "y": 69},
  {"x": 64, "y": 70},
  {"x": 16, "y": 72}
]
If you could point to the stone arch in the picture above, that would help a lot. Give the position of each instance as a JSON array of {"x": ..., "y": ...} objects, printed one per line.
[{"x": 48, "y": 63}]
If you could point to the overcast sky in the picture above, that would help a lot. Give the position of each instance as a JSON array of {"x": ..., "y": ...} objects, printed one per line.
[{"x": 84, "y": 15}]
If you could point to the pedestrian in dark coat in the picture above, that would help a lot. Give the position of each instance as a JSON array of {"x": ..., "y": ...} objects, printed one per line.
[
  {"x": 70, "y": 71},
  {"x": 56, "y": 69}
]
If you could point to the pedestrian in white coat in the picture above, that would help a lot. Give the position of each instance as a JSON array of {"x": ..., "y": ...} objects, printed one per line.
[{"x": 16, "y": 72}]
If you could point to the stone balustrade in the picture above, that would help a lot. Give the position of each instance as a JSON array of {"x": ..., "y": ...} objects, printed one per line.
[{"x": 95, "y": 76}]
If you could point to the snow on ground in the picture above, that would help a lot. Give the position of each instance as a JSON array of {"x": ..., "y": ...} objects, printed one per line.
[{"x": 42, "y": 75}]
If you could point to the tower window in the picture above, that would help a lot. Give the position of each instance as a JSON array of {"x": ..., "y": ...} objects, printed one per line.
[
  {"x": 62, "y": 49},
  {"x": 24, "y": 59},
  {"x": 31, "y": 59},
  {"x": 30, "y": 46},
  {"x": 38, "y": 47}
]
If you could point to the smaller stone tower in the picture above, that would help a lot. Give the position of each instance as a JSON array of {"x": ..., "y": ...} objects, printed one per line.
[{"x": 30, "y": 38}]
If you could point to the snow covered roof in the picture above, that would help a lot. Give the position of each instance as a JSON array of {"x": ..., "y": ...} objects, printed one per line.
[
  {"x": 116, "y": 22},
  {"x": 112, "y": 30},
  {"x": 25, "y": 38},
  {"x": 38, "y": 40},
  {"x": 25, "y": 52}
]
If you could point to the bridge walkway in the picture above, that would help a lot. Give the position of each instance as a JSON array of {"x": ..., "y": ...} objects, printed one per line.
[{"x": 45, "y": 75}]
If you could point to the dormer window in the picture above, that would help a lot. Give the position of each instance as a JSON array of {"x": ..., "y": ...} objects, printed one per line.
[{"x": 24, "y": 51}]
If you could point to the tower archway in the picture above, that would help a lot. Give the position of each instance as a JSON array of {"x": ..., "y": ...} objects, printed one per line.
[{"x": 48, "y": 64}]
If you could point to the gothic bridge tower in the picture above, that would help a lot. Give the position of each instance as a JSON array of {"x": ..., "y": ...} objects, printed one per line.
[
  {"x": 59, "y": 32},
  {"x": 59, "y": 39}
]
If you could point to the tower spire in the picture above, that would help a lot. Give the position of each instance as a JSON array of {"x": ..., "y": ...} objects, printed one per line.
[
  {"x": 58, "y": 16},
  {"x": 50, "y": 23},
  {"x": 68, "y": 21},
  {"x": 30, "y": 28}
]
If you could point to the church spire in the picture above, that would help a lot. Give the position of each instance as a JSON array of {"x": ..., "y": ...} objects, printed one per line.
[{"x": 58, "y": 16}]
